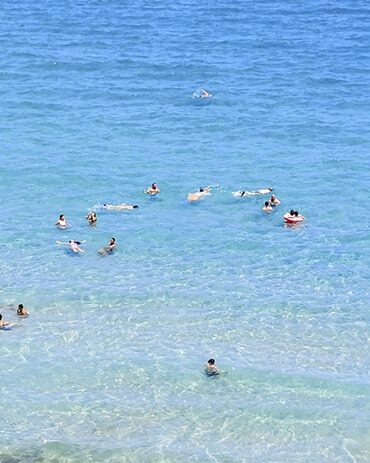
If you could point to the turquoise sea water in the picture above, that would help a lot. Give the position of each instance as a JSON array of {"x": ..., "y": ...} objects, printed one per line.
[{"x": 96, "y": 104}]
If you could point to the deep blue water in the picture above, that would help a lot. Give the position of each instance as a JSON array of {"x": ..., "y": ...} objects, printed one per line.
[{"x": 96, "y": 104}]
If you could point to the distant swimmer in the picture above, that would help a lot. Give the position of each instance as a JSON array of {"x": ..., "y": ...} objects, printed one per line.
[
  {"x": 62, "y": 223},
  {"x": 211, "y": 369},
  {"x": 274, "y": 201},
  {"x": 119, "y": 207},
  {"x": 21, "y": 311},
  {"x": 267, "y": 207},
  {"x": 205, "y": 94},
  {"x": 152, "y": 190},
  {"x": 201, "y": 193},
  {"x": 108, "y": 249},
  {"x": 262, "y": 191},
  {"x": 74, "y": 245},
  {"x": 91, "y": 217}
]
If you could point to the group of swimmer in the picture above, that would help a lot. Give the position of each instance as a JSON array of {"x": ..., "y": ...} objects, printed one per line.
[
  {"x": 21, "y": 312},
  {"x": 291, "y": 217}
]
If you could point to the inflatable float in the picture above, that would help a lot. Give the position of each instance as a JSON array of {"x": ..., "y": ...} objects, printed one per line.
[{"x": 292, "y": 219}]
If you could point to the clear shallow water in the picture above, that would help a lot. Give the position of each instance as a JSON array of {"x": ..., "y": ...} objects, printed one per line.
[{"x": 95, "y": 105}]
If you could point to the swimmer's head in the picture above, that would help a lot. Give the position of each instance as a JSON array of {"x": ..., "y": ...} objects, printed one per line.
[
  {"x": 154, "y": 185},
  {"x": 71, "y": 241},
  {"x": 112, "y": 240},
  {"x": 135, "y": 207},
  {"x": 269, "y": 188},
  {"x": 291, "y": 212},
  {"x": 266, "y": 203},
  {"x": 104, "y": 205},
  {"x": 61, "y": 217},
  {"x": 211, "y": 361},
  {"x": 296, "y": 213},
  {"x": 273, "y": 197},
  {"x": 20, "y": 306},
  {"x": 1, "y": 317},
  {"x": 201, "y": 190}
]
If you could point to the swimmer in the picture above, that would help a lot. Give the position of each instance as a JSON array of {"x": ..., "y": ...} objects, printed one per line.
[
  {"x": 91, "y": 217},
  {"x": 4, "y": 323},
  {"x": 119, "y": 207},
  {"x": 153, "y": 190},
  {"x": 62, "y": 223},
  {"x": 21, "y": 311},
  {"x": 262, "y": 191},
  {"x": 74, "y": 245},
  {"x": 274, "y": 201},
  {"x": 108, "y": 249},
  {"x": 267, "y": 207},
  {"x": 211, "y": 369},
  {"x": 204, "y": 94},
  {"x": 199, "y": 194}
]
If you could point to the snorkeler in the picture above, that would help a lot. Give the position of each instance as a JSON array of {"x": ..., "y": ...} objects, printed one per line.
[
  {"x": 62, "y": 223},
  {"x": 108, "y": 249},
  {"x": 267, "y": 207},
  {"x": 153, "y": 190},
  {"x": 274, "y": 201},
  {"x": 211, "y": 369},
  {"x": 91, "y": 217},
  {"x": 262, "y": 191},
  {"x": 21, "y": 311},
  {"x": 201, "y": 193},
  {"x": 74, "y": 245},
  {"x": 119, "y": 207}
]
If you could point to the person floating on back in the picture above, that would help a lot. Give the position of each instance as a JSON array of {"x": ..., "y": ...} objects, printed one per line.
[
  {"x": 3, "y": 323},
  {"x": 74, "y": 245},
  {"x": 119, "y": 207},
  {"x": 62, "y": 223},
  {"x": 152, "y": 190}
]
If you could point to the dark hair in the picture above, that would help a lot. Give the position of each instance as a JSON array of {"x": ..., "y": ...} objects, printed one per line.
[
  {"x": 211, "y": 361},
  {"x": 291, "y": 211},
  {"x": 296, "y": 213},
  {"x": 114, "y": 239},
  {"x": 135, "y": 207},
  {"x": 60, "y": 217},
  {"x": 266, "y": 203},
  {"x": 20, "y": 306},
  {"x": 1, "y": 317},
  {"x": 104, "y": 204},
  {"x": 201, "y": 189}
]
